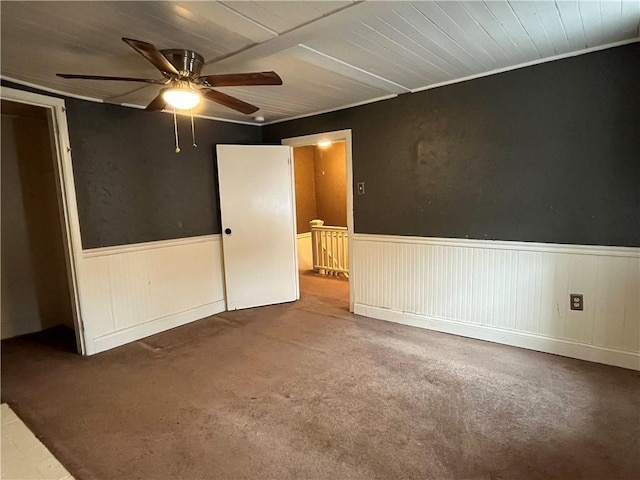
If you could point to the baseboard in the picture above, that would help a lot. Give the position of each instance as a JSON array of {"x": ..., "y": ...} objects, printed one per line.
[
  {"x": 152, "y": 327},
  {"x": 539, "y": 343}
]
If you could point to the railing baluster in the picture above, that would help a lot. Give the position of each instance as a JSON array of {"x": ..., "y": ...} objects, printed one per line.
[{"x": 330, "y": 248}]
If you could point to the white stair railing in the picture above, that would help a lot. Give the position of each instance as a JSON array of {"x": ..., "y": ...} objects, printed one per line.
[{"x": 330, "y": 248}]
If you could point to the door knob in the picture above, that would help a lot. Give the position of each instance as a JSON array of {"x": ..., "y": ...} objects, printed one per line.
[{"x": 227, "y": 231}]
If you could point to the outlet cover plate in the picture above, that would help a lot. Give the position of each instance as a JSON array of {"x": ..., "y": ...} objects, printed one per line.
[{"x": 576, "y": 301}]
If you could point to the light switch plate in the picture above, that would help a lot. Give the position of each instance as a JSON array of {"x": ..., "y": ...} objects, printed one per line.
[{"x": 360, "y": 188}]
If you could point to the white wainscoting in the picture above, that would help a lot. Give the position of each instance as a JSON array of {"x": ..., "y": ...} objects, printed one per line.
[
  {"x": 133, "y": 291},
  {"x": 305, "y": 260},
  {"x": 516, "y": 293}
]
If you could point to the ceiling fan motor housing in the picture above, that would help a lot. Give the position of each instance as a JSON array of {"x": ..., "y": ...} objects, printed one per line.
[{"x": 187, "y": 62}]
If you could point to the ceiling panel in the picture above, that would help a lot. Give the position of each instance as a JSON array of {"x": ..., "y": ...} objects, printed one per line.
[
  {"x": 307, "y": 88},
  {"x": 471, "y": 32},
  {"x": 329, "y": 54},
  {"x": 571, "y": 20},
  {"x": 630, "y": 21},
  {"x": 85, "y": 37},
  {"x": 500, "y": 33},
  {"x": 528, "y": 17},
  {"x": 283, "y": 16}
]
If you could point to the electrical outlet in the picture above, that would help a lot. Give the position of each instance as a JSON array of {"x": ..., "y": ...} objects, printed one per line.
[
  {"x": 360, "y": 188},
  {"x": 576, "y": 301}
]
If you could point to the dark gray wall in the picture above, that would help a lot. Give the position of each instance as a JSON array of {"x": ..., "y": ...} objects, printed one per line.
[
  {"x": 131, "y": 185},
  {"x": 548, "y": 153}
]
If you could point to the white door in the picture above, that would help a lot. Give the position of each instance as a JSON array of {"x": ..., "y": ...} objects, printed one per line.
[{"x": 257, "y": 209}]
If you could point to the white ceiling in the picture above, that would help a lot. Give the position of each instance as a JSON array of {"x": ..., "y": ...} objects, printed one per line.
[{"x": 330, "y": 54}]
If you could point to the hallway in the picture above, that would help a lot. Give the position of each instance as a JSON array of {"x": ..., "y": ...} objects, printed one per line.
[{"x": 334, "y": 290}]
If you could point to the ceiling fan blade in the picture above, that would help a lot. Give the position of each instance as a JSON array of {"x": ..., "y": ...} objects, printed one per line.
[
  {"x": 152, "y": 54},
  {"x": 156, "y": 104},
  {"x": 228, "y": 101},
  {"x": 242, "y": 79},
  {"x": 118, "y": 79}
]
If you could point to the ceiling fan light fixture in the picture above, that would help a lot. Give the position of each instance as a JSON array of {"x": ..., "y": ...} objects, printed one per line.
[{"x": 181, "y": 98}]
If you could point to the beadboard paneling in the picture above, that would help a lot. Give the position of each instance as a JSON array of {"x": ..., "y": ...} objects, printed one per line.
[
  {"x": 305, "y": 259},
  {"x": 515, "y": 287},
  {"x": 133, "y": 291}
]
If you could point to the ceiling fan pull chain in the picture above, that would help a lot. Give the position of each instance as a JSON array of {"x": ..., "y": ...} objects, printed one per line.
[
  {"x": 175, "y": 128},
  {"x": 193, "y": 131}
]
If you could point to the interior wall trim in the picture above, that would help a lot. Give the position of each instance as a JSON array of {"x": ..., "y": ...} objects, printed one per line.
[
  {"x": 131, "y": 292},
  {"x": 336, "y": 136},
  {"x": 515, "y": 293},
  {"x": 139, "y": 247},
  {"x": 67, "y": 202},
  {"x": 529, "y": 341},
  {"x": 301, "y": 236},
  {"x": 599, "y": 250}
]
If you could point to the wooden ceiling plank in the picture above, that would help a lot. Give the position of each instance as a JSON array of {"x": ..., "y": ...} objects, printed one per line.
[
  {"x": 327, "y": 62},
  {"x": 438, "y": 54},
  {"x": 487, "y": 21},
  {"x": 363, "y": 53},
  {"x": 572, "y": 23},
  {"x": 511, "y": 24},
  {"x": 611, "y": 17},
  {"x": 258, "y": 13},
  {"x": 592, "y": 21},
  {"x": 333, "y": 22},
  {"x": 549, "y": 16},
  {"x": 424, "y": 24},
  {"x": 473, "y": 32},
  {"x": 374, "y": 36},
  {"x": 282, "y": 16},
  {"x": 526, "y": 13},
  {"x": 630, "y": 19},
  {"x": 425, "y": 46},
  {"x": 379, "y": 59},
  {"x": 432, "y": 62},
  {"x": 221, "y": 14},
  {"x": 447, "y": 25}
]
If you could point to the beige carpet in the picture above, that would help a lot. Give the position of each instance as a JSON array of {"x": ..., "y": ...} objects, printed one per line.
[{"x": 307, "y": 390}]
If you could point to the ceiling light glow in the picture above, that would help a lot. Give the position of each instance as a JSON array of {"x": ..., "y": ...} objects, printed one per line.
[
  {"x": 324, "y": 144},
  {"x": 181, "y": 98}
]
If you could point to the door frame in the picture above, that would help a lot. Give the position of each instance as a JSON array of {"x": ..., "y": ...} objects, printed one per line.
[
  {"x": 66, "y": 190},
  {"x": 335, "y": 136}
]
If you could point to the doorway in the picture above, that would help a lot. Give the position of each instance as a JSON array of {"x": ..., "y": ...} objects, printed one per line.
[
  {"x": 324, "y": 213},
  {"x": 37, "y": 291}
]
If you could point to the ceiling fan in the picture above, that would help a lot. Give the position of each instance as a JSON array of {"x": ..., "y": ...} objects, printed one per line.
[{"x": 181, "y": 72}]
